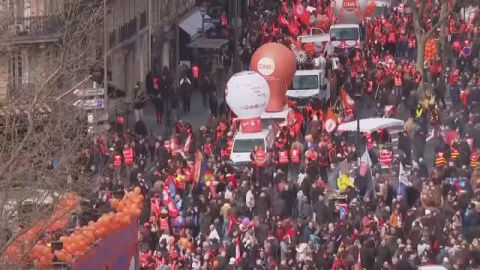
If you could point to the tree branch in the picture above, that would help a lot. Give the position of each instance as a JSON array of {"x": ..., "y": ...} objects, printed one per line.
[
  {"x": 29, "y": 132},
  {"x": 442, "y": 19}
]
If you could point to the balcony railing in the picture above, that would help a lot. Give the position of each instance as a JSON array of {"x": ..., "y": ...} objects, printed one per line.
[{"x": 31, "y": 26}]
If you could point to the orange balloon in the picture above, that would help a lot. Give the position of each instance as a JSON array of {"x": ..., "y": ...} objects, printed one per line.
[
  {"x": 68, "y": 258},
  {"x": 114, "y": 202},
  {"x": 277, "y": 64},
  {"x": 71, "y": 248}
]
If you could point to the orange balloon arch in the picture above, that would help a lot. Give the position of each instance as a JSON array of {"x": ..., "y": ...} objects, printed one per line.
[{"x": 75, "y": 244}]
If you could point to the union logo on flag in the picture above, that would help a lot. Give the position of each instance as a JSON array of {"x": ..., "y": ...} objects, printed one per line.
[{"x": 330, "y": 125}]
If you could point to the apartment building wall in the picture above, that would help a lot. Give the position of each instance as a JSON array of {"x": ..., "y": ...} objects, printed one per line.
[
  {"x": 130, "y": 48},
  {"x": 24, "y": 58}
]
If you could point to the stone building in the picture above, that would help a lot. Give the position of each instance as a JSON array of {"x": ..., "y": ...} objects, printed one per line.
[{"x": 136, "y": 31}]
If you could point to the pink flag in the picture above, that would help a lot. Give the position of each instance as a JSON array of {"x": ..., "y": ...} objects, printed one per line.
[{"x": 365, "y": 163}]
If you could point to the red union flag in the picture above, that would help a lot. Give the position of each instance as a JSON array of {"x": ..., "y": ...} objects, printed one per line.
[
  {"x": 347, "y": 101},
  {"x": 302, "y": 14},
  {"x": 330, "y": 121}
]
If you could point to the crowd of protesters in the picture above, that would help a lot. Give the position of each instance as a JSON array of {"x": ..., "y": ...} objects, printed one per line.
[{"x": 306, "y": 203}]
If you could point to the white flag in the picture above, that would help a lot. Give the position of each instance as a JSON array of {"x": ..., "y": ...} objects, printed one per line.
[
  {"x": 365, "y": 163},
  {"x": 403, "y": 177}
]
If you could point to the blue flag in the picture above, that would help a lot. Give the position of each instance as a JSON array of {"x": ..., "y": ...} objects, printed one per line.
[{"x": 172, "y": 189}]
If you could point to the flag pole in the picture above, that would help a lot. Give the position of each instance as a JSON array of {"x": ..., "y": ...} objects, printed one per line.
[{"x": 373, "y": 183}]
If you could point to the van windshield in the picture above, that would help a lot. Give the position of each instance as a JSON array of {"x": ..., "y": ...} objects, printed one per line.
[
  {"x": 271, "y": 121},
  {"x": 304, "y": 82},
  {"x": 381, "y": 10},
  {"x": 246, "y": 145},
  {"x": 344, "y": 34}
]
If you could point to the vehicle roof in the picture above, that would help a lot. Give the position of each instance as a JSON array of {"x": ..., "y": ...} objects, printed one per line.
[
  {"x": 344, "y": 25},
  {"x": 315, "y": 38},
  {"x": 382, "y": 3},
  {"x": 307, "y": 72},
  {"x": 273, "y": 115},
  {"x": 257, "y": 135}
]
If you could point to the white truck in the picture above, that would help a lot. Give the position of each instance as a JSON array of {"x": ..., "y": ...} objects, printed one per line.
[
  {"x": 345, "y": 38},
  {"x": 339, "y": 39},
  {"x": 309, "y": 85},
  {"x": 243, "y": 144}
]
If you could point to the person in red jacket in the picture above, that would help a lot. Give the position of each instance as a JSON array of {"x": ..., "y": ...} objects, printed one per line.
[
  {"x": 295, "y": 159},
  {"x": 282, "y": 159},
  {"x": 128, "y": 159},
  {"x": 117, "y": 165},
  {"x": 392, "y": 41}
]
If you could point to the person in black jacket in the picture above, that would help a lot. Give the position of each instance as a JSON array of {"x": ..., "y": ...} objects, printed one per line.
[
  {"x": 186, "y": 89},
  {"x": 139, "y": 102},
  {"x": 405, "y": 144}
]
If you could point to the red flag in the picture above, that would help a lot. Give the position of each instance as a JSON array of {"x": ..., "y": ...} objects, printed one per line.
[
  {"x": 358, "y": 266},
  {"x": 155, "y": 202},
  {"x": 238, "y": 256},
  {"x": 232, "y": 221},
  {"x": 330, "y": 121},
  {"x": 347, "y": 101},
  {"x": 282, "y": 21},
  {"x": 169, "y": 204},
  {"x": 293, "y": 30},
  {"x": 302, "y": 14}
]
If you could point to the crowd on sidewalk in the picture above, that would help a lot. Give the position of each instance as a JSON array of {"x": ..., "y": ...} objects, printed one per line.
[{"x": 306, "y": 203}]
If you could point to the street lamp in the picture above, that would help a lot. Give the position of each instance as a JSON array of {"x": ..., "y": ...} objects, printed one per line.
[{"x": 203, "y": 12}]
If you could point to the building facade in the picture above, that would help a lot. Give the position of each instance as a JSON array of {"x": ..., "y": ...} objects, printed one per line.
[
  {"x": 137, "y": 31},
  {"x": 27, "y": 30}
]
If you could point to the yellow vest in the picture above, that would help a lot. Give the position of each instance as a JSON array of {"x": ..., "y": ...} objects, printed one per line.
[
  {"x": 419, "y": 112},
  {"x": 343, "y": 182}
]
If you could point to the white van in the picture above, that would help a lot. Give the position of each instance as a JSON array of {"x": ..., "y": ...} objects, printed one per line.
[
  {"x": 243, "y": 144},
  {"x": 345, "y": 37},
  {"x": 307, "y": 85}
]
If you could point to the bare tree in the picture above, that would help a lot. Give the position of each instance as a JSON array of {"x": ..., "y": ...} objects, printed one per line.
[
  {"x": 422, "y": 31},
  {"x": 42, "y": 134}
]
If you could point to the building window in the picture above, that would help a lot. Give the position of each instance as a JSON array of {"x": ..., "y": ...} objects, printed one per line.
[{"x": 17, "y": 69}]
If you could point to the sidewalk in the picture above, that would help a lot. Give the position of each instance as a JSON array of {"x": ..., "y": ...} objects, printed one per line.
[{"x": 197, "y": 117}]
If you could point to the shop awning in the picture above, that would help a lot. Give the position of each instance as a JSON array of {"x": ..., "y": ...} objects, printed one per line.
[
  {"x": 192, "y": 21},
  {"x": 207, "y": 43}
]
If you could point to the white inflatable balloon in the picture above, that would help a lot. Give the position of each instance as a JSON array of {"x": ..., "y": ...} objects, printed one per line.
[{"x": 247, "y": 94}]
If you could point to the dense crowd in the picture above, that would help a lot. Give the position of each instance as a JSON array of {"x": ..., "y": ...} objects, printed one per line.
[{"x": 306, "y": 203}]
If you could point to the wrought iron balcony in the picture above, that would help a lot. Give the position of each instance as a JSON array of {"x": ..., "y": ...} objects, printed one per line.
[{"x": 31, "y": 29}]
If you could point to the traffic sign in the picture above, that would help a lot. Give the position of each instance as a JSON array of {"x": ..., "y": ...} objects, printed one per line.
[
  {"x": 90, "y": 104},
  {"x": 89, "y": 92},
  {"x": 97, "y": 117},
  {"x": 215, "y": 21}
]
